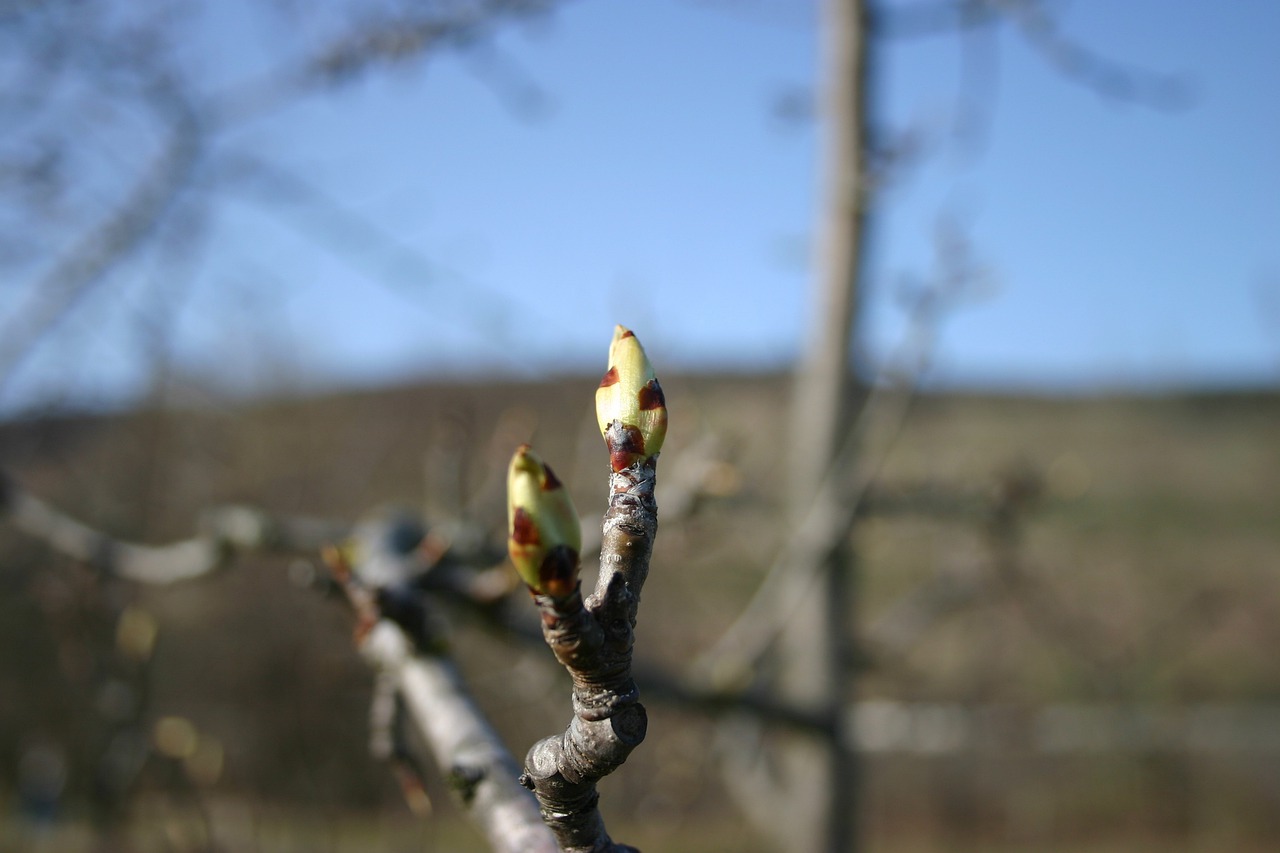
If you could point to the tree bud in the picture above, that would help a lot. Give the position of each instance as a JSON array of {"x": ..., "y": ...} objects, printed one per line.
[
  {"x": 543, "y": 532},
  {"x": 630, "y": 407}
]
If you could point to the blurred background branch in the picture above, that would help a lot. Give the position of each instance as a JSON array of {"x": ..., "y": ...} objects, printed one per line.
[{"x": 267, "y": 255}]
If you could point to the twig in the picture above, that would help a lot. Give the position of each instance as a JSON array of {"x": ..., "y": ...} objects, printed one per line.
[
  {"x": 830, "y": 516},
  {"x": 395, "y": 637},
  {"x": 838, "y": 500},
  {"x": 911, "y": 616},
  {"x": 142, "y": 563},
  {"x": 1041, "y": 609},
  {"x": 480, "y": 771},
  {"x": 87, "y": 262},
  {"x": 688, "y": 484},
  {"x": 362, "y": 243},
  {"x": 225, "y": 530},
  {"x": 593, "y": 640},
  {"x": 1038, "y": 26},
  {"x": 393, "y": 40},
  {"x": 1105, "y": 76},
  {"x": 656, "y": 682}
]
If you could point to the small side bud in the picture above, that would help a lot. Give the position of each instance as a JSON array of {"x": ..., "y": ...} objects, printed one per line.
[
  {"x": 544, "y": 537},
  {"x": 630, "y": 407}
]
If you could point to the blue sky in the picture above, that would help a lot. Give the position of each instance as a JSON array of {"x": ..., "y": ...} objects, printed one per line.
[{"x": 656, "y": 185}]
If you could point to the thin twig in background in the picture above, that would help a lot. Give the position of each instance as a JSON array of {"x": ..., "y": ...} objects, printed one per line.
[
  {"x": 1105, "y": 76},
  {"x": 395, "y": 636},
  {"x": 128, "y": 63},
  {"x": 87, "y": 262},
  {"x": 836, "y": 505}
]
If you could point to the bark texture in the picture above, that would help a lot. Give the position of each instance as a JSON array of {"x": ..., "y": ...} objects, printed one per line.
[
  {"x": 465, "y": 747},
  {"x": 593, "y": 640}
]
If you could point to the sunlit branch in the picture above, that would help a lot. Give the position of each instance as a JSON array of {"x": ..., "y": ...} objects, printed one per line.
[
  {"x": 153, "y": 564},
  {"x": 400, "y": 638},
  {"x": 224, "y": 531},
  {"x": 592, "y": 639},
  {"x": 463, "y": 745}
]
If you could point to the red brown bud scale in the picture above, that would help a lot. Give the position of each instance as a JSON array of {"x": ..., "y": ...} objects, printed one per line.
[{"x": 631, "y": 409}]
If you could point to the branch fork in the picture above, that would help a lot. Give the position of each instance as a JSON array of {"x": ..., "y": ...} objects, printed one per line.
[{"x": 592, "y": 638}]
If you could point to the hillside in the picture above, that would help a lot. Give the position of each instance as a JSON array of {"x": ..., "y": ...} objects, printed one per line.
[{"x": 1144, "y": 570}]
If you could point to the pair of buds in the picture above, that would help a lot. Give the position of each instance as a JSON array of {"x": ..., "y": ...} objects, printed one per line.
[{"x": 544, "y": 533}]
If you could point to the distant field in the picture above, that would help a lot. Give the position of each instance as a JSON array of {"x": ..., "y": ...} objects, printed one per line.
[{"x": 1146, "y": 571}]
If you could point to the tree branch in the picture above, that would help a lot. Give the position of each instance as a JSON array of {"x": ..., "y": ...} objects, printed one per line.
[
  {"x": 394, "y": 637},
  {"x": 395, "y": 40},
  {"x": 480, "y": 771},
  {"x": 225, "y": 530},
  {"x": 1103, "y": 75},
  {"x": 851, "y": 472},
  {"x": 593, "y": 641},
  {"x": 88, "y": 261}
]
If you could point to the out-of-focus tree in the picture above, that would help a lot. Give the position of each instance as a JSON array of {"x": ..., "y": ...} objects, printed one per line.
[
  {"x": 120, "y": 134},
  {"x": 117, "y": 78},
  {"x": 803, "y": 632}
]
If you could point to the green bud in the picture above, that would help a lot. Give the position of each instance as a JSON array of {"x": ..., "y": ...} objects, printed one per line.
[
  {"x": 543, "y": 532},
  {"x": 630, "y": 407}
]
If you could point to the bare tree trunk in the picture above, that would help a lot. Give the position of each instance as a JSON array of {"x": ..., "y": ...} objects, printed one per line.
[
  {"x": 824, "y": 384},
  {"x": 815, "y": 669}
]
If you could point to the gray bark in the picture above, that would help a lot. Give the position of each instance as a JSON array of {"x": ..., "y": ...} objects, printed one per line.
[
  {"x": 593, "y": 641},
  {"x": 814, "y": 672},
  {"x": 480, "y": 770},
  {"x": 482, "y": 774}
]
